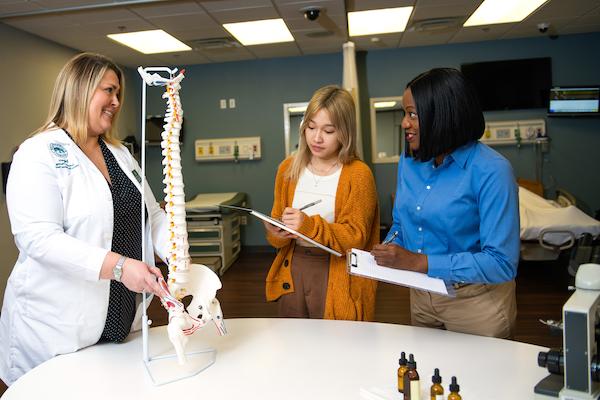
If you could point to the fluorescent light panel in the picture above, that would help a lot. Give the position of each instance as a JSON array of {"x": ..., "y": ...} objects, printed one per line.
[
  {"x": 150, "y": 42},
  {"x": 384, "y": 104},
  {"x": 297, "y": 109},
  {"x": 260, "y": 32},
  {"x": 502, "y": 11},
  {"x": 372, "y": 22}
]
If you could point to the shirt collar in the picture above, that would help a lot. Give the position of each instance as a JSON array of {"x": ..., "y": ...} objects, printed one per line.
[{"x": 462, "y": 154}]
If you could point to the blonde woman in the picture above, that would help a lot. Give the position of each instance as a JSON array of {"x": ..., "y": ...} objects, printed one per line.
[
  {"x": 306, "y": 281},
  {"x": 74, "y": 201}
]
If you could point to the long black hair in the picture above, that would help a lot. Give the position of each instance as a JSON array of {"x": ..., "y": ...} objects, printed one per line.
[{"x": 449, "y": 112}]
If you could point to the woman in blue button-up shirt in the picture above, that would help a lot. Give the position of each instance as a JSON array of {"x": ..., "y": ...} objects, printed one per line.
[{"x": 456, "y": 210}]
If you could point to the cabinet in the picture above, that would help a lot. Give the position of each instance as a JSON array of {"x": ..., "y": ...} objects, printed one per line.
[{"x": 214, "y": 239}]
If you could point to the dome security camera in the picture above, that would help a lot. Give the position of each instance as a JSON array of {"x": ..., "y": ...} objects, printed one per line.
[
  {"x": 312, "y": 13},
  {"x": 543, "y": 27}
]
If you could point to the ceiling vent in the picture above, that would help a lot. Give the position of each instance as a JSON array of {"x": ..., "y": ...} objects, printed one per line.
[
  {"x": 221, "y": 43},
  {"x": 436, "y": 24}
]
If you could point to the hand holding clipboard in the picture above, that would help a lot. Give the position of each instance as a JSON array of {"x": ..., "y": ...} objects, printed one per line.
[{"x": 281, "y": 225}]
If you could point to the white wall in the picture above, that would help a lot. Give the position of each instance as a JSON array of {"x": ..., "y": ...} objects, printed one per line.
[{"x": 28, "y": 68}]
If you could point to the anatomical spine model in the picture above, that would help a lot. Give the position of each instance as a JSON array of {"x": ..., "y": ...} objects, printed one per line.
[{"x": 184, "y": 277}]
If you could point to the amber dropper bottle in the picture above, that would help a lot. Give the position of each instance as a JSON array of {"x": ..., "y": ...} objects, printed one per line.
[
  {"x": 401, "y": 371},
  {"x": 454, "y": 389},
  {"x": 412, "y": 384},
  {"x": 437, "y": 390}
]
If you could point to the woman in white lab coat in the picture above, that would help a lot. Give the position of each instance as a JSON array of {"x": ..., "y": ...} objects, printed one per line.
[{"x": 74, "y": 203}]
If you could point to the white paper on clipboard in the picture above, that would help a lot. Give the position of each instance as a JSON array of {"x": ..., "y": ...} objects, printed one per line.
[
  {"x": 362, "y": 263},
  {"x": 281, "y": 225}
]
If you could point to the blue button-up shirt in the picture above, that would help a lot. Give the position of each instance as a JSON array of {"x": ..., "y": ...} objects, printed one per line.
[{"x": 462, "y": 214}]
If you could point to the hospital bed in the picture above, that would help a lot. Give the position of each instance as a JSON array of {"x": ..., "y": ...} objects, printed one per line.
[
  {"x": 214, "y": 233},
  {"x": 550, "y": 227}
]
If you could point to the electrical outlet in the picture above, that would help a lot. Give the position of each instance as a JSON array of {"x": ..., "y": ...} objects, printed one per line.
[
  {"x": 223, "y": 103},
  {"x": 231, "y": 103},
  {"x": 244, "y": 220}
]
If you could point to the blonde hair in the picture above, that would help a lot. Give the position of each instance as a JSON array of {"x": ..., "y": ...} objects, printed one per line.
[
  {"x": 340, "y": 106},
  {"x": 73, "y": 91}
]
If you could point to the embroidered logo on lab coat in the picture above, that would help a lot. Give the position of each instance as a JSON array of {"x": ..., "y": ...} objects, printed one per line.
[
  {"x": 58, "y": 150},
  {"x": 61, "y": 155}
]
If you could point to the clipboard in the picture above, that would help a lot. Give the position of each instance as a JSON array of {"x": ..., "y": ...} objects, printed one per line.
[
  {"x": 281, "y": 225},
  {"x": 362, "y": 263}
]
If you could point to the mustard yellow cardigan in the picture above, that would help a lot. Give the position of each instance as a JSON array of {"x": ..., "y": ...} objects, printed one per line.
[{"x": 356, "y": 225}]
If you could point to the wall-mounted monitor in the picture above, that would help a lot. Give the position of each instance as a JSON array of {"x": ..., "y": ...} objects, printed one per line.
[
  {"x": 154, "y": 129},
  {"x": 511, "y": 84},
  {"x": 574, "y": 101}
]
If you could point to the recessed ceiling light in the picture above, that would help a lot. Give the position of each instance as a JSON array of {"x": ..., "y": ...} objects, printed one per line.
[
  {"x": 384, "y": 104},
  {"x": 503, "y": 11},
  {"x": 299, "y": 109},
  {"x": 260, "y": 32},
  {"x": 385, "y": 20},
  {"x": 150, "y": 42}
]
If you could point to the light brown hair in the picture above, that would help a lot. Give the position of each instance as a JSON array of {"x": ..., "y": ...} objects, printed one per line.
[{"x": 340, "y": 106}]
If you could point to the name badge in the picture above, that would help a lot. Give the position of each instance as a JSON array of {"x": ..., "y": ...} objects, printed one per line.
[{"x": 137, "y": 176}]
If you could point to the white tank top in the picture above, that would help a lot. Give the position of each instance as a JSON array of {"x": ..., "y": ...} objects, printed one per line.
[{"x": 310, "y": 188}]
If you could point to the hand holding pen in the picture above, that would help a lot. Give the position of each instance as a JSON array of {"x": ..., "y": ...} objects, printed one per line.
[
  {"x": 294, "y": 217},
  {"x": 390, "y": 239}
]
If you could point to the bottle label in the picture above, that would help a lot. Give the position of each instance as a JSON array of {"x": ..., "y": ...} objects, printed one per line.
[
  {"x": 415, "y": 390},
  {"x": 439, "y": 397}
]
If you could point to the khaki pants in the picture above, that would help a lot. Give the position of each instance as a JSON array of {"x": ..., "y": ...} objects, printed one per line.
[
  {"x": 310, "y": 273},
  {"x": 479, "y": 309}
]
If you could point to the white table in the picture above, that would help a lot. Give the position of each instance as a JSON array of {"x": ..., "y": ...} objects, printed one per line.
[{"x": 292, "y": 359}]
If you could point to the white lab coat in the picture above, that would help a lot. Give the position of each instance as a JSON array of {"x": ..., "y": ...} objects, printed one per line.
[{"x": 61, "y": 213}]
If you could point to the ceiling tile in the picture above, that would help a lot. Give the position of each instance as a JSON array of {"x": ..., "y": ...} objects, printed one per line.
[
  {"x": 184, "y": 22},
  {"x": 480, "y": 33},
  {"x": 245, "y": 14},
  {"x": 183, "y": 58},
  {"x": 329, "y": 7},
  {"x": 413, "y": 39},
  {"x": 165, "y": 9},
  {"x": 361, "y": 5},
  {"x": 443, "y": 11},
  {"x": 275, "y": 50},
  {"x": 232, "y": 54},
  {"x": 54, "y": 4},
  {"x": 227, "y": 5},
  {"x": 18, "y": 6},
  {"x": 377, "y": 41},
  {"x": 561, "y": 8}
]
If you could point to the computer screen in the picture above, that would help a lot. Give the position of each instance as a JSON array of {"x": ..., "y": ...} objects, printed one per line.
[
  {"x": 574, "y": 101},
  {"x": 511, "y": 84}
]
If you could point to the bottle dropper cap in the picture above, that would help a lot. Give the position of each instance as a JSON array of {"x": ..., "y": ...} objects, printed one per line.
[
  {"x": 454, "y": 387},
  {"x": 402, "y": 360},
  {"x": 411, "y": 361},
  {"x": 436, "y": 378}
]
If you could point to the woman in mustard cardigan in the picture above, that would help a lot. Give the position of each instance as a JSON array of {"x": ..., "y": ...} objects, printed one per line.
[{"x": 306, "y": 281}]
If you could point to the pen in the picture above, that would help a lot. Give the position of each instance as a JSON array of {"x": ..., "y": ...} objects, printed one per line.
[
  {"x": 309, "y": 205},
  {"x": 391, "y": 238}
]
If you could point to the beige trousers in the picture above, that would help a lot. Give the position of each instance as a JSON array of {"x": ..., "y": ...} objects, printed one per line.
[
  {"x": 310, "y": 273},
  {"x": 479, "y": 309}
]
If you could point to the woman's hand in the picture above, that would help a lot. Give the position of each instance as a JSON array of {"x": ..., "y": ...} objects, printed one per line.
[
  {"x": 293, "y": 218},
  {"x": 139, "y": 277},
  {"x": 394, "y": 256},
  {"x": 277, "y": 232}
]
